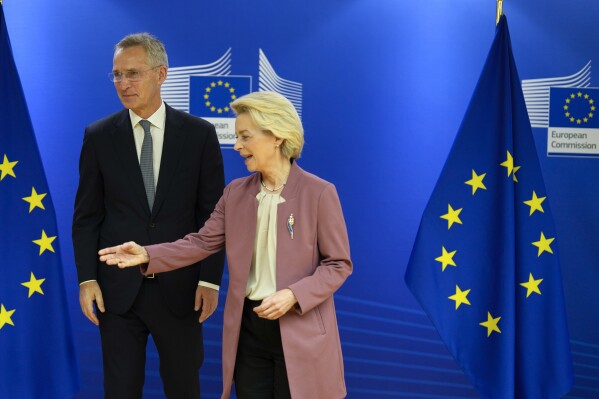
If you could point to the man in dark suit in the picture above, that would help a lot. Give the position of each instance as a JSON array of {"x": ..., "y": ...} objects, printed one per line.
[{"x": 148, "y": 173}]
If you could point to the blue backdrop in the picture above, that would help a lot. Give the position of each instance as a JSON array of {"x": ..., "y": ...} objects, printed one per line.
[{"x": 382, "y": 87}]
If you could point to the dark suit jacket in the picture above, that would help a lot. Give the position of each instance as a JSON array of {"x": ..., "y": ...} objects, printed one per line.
[{"x": 111, "y": 205}]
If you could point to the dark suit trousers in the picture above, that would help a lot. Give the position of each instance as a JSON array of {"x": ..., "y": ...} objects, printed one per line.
[
  {"x": 260, "y": 371},
  {"x": 124, "y": 339}
]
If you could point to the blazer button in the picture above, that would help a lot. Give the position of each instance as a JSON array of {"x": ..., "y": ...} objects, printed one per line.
[{"x": 152, "y": 225}]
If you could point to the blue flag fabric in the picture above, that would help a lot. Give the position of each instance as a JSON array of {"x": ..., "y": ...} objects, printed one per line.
[
  {"x": 37, "y": 357},
  {"x": 485, "y": 263}
]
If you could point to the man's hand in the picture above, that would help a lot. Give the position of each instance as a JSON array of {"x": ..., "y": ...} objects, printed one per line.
[
  {"x": 207, "y": 300},
  {"x": 276, "y": 305},
  {"x": 89, "y": 293}
]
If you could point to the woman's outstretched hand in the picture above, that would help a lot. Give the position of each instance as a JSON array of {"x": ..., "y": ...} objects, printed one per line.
[{"x": 124, "y": 255}]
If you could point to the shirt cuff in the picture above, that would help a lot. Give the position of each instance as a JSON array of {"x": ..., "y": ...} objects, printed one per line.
[
  {"x": 87, "y": 281},
  {"x": 209, "y": 285}
]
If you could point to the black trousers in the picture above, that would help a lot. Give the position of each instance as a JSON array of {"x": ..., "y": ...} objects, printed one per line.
[
  {"x": 124, "y": 339},
  {"x": 260, "y": 371}
]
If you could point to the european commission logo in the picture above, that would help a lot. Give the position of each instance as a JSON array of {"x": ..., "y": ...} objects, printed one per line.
[
  {"x": 210, "y": 98},
  {"x": 208, "y": 90},
  {"x": 573, "y": 107},
  {"x": 566, "y": 107},
  {"x": 573, "y": 121}
]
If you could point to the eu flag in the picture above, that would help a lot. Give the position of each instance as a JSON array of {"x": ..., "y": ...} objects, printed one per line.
[
  {"x": 485, "y": 263},
  {"x": 37, "y": 358}
]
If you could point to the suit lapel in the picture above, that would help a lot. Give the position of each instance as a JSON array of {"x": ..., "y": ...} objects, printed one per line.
[
  {"x": 124, "y": 144},
  {"x": 286, "y": 209},
  {"x": 293, "y": 182},
  {"x": 245, "y": 227},
  {"x": 174, "y": 139}
]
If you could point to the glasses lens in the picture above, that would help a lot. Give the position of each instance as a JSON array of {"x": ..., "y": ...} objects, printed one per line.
[
  {"x": 115, "y": 77},
  {"x": 133, "y": 76}
]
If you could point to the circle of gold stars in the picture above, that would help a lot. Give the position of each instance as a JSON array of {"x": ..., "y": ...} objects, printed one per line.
[
  {"x": 222, "y": 86},
  {"x": 585, "y": 98},
  {"x": 543, "y": 245}
]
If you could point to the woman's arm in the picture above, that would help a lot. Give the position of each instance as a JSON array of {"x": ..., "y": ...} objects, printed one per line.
[{"x": 171, "y": 256}]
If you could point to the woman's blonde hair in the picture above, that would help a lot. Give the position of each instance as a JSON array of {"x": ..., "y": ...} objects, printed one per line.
[{"x": 272, "y": 112}]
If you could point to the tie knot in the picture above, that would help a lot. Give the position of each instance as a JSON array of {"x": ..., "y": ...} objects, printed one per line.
[{"x": 146, "y": 125}]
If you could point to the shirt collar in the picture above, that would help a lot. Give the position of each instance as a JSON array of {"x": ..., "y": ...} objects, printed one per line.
[{"x": 156, "y": 119}]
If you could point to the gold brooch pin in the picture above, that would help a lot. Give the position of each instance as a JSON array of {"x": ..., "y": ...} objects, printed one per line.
[{"x": 290, "y": 223}]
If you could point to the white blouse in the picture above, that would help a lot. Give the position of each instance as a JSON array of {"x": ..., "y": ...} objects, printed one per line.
[{"x": 262, "y": 279}]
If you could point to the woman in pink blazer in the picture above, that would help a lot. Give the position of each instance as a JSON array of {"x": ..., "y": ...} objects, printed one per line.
[{"x": 288, "y": 252}]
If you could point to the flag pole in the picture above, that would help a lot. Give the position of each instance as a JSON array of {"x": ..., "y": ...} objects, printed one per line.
[{"x": 499, "y": 11}]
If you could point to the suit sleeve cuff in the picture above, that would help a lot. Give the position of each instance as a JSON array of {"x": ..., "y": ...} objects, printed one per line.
[{"x": 209, "y": 285}]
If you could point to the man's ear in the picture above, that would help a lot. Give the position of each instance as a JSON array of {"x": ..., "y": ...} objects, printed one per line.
[{"x": 162, "y": 73}]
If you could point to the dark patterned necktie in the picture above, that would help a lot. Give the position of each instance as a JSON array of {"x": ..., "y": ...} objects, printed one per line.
[{"x": 146, "y": 162}]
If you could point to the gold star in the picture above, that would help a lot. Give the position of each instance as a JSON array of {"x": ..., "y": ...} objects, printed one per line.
[
  {"x": 452, "y": 216},
  {"x": 476, "y": 182},
  {"x": 5, "y": 316},
  {"x": 213, "y": 84},
  {"x": 516, "y": 168},
  {"x": 227, "y": 84},
  {"x": 220, "y": 82},
  {"x": 491, "y": 324},
  {"x": 208, "y": 89},
  {"x": 446, "y": 258},
  {"x": 508, "y": 163},
  {"x": 460, "y": 297},
  {"x": 532, "y": 285},
  {"x": 34, "y": 285},
  {"x": 35, "y": 200},
  {"x": 544, "y": 244},
  {"x": 535, "y": 203},
  {"x": 6, "y": 167},
  {"x": 45, "y": 242}
]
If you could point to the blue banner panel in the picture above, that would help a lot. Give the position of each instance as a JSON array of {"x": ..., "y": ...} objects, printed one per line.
[
  {"x": 574, "y": 107},
  {"x": 210, "y": 98}
]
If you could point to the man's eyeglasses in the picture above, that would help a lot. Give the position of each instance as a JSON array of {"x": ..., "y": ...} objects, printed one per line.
[{"x": 131, "y": 75}]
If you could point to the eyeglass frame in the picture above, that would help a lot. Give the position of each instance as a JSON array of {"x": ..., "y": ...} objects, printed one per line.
[{"x": 139, "y": 75}]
